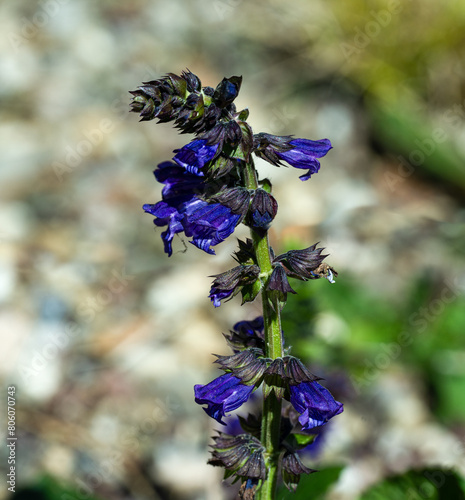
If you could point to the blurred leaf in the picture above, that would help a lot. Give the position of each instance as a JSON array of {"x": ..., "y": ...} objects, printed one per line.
[
  {"x": 434, "y": 484},
  {"x": 49, "y": 488},
  {"x": 421, "y": 146}
]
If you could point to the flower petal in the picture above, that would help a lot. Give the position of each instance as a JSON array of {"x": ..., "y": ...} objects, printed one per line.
[
  {"x": 224, "y": 394},
  {"x": 315, "y": 403}
]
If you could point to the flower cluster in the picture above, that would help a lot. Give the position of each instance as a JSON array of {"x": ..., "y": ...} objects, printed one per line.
[
  {"x": 209, "y": 187},
  {"x": 286, "y": 377},
  {"x": 203, "y": 194}
]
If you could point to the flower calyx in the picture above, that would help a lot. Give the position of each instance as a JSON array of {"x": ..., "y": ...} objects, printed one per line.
[
  {"x": 291, "y": 469},
  {"x": 242, "y": 456},
  {"x": 263, "y": 209},
  {"x": 228, "y": 284},
  {"x": 247, "y": 365},
  {"x": 306, "y": 264}
]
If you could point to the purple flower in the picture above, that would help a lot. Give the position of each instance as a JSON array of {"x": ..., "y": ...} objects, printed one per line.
[
  {"x": 304, "y": 155},
  {"x": 195, "y": 155},
  {"x": 183, "y": 211},
  {"x": 208, "y": 223},
  {"x": 224, "y": 394},
  {"x": 315, "y": 403}
]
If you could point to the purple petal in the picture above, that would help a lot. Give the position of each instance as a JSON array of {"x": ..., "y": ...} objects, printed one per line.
[
  {"x": 304, "y": 155},
  {"x": 224, "y": 394},
  {"x": 315, "y": 403},
  {"x": 195, "y": 155}
]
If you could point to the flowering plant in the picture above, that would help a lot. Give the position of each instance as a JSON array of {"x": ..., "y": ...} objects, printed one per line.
[{"x": 209, "y": 188}]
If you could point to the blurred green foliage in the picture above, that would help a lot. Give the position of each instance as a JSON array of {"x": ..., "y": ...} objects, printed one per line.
[
  {"x": 434, "y": 484},
  {"x": 48, "y": 488},
  {"x": 347, "y": 327}
]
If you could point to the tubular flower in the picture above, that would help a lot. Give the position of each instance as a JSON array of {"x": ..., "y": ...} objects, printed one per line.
[
  {"x": 304, "y": 155},
  {"x": 224, "y": 394},
  {"x": 195, "y": 155},
  {"x": 299, "y": 153},
  {"x": 315, "y": 404},
  {"x": 182, "y": 210}
]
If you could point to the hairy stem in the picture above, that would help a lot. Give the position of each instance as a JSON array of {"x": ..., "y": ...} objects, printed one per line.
[{"x": 271, "y": 418}]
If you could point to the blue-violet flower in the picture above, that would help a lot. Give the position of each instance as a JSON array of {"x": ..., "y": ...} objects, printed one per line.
[
  {"x": 183, "y": 211},
  {"x": 195, "y": 155},
  {"x": 224, "y": 394},
  {"x": 304, "y": 155},
  {"x": 315, "y": 403}
]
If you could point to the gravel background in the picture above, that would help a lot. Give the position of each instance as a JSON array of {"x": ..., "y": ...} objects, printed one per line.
[{"x": 102, "y": 334}]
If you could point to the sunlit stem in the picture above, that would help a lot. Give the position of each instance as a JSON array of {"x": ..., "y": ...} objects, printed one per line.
[{"x": 271, "y": 418}]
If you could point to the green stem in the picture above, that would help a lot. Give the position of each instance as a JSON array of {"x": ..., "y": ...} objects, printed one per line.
[{"x": 271, "y": 418}]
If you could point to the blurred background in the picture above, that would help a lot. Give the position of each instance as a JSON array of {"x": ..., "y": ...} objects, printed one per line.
[{"x": 104, "y": 336}]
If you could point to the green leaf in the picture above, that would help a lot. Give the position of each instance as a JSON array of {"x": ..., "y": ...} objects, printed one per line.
[
  {"x": 265, "y": 184},
  {"x": 243, "y": 115},
  {"x": 304, "y": 439}
]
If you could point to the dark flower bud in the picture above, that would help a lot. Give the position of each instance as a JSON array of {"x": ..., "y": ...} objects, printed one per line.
[
  {"x": 305, "y": 264},
  {"x": 160, "y": 99},
  {"x": 263, "y": 210},
  {"x": 241, "y": 455},
  {"x": 193, "y": 109},
  {"x": 227, "y": 90},
  {"x": 224, "y": 132},
  {"x": 228, "y": 284},
  {"x": 236, "y": 199},
  {"x": 278, "y": 281},
  {"x": 292, "y": 468},
  {"x": 208, "y": 91},
  {"x": 193, "y": 81}
]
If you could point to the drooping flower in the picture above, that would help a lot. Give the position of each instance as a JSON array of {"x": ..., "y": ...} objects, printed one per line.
[
  {"x": 231, "y": 282},
  {"x": 195, "y": 155},
  {"x": 182, "y": 210},
  {"x": 304, "y": 155},
  {"x": 224, "y": 394},
  {"x": 306, "y": 264},
  {"x": 315, "y": 404},
  {"x": 299, "y": 153},
  {"x": 208, "y": 224}
]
